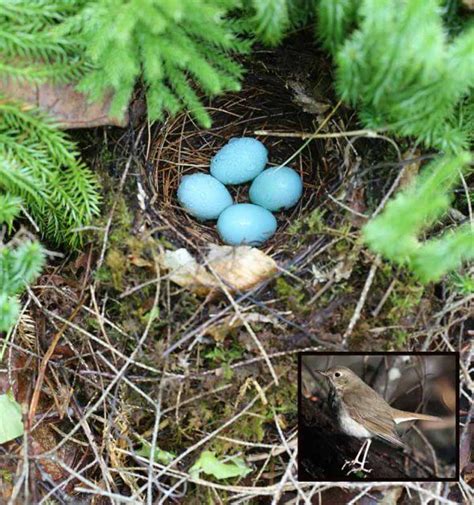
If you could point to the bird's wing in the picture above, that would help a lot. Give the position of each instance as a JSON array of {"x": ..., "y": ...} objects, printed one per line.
[{"x": 368, "y": 408}]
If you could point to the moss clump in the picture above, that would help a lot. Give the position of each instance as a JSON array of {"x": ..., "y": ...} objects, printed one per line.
[{"x": 293, "y": 295}]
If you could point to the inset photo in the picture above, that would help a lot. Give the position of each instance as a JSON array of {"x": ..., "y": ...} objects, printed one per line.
[{"x": 378, "y": 417}]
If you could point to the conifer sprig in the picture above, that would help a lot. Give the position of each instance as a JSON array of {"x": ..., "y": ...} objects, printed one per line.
[
  {"x": 40, "y": 165},
  {"x": 407, "y": 72},
  {"x": 9, "y": 209},
  {"x": 31, "y": 47},
  {"x": 270, "y": 20},
  {"x": 396, "y": 232},
  {"x": 335, "y": 20},
  {"x": 395, "y": 62},
  {"x": 439, "y": 256},
  {"x": 19, "y": 266},
  {"x": 174, "y": 46}
]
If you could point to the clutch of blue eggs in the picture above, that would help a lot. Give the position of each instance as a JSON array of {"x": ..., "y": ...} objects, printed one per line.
[{"x": 240, "y": 161}]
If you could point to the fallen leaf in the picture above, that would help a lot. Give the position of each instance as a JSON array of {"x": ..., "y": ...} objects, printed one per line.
[
  {"x": 307, "y": 99},
  {"x": 410, "y": 170},
  {"x": 43, "y": 440},
  {"x": 209, "y": 464},
  {"x": 220, "y": 330},
  {"x": 238, "y": 268},
  {"x": 7, "y": 478},
  {"x": 69, "y": 107},
  {"x": 343, "y": 269},
  {"x": 139, "y": 262},
  {"x": 17, "y": 381},
  {"x": 159, "y": 455},
  {"x": 11, "y": 423},
  {"x": 355, "y": 200},
  {"x": 345, "y": 265}
]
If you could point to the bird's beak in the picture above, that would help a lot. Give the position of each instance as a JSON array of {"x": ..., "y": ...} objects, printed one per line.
[{"x": 322, "y": 372}]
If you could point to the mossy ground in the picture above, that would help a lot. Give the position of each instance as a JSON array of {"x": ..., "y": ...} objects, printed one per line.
[{"x": 207, "y": 382}]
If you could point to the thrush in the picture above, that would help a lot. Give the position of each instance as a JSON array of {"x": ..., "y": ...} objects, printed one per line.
[{"x": 363, "y": 413}]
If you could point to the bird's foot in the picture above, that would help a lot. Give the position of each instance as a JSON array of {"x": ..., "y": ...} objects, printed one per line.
[
  {"x": 355, "y": 466},
  {"x": 358, "y": 463}
]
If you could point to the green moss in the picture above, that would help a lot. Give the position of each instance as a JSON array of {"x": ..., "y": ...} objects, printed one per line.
[
  {"x": 310, "y": 224},
  {"x": 6, "y": 476},
  {"x": 293, "y": 295},
  {"x": 404, "y": 298},
  {"x": 223, "y": 356},
  {"x": 463, "y": 284},
  {"x": 401, "y": 338},
  {"x": 117, "y": 265}
]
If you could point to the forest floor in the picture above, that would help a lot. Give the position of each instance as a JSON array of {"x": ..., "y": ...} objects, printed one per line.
[{"x": 128, "y": 363}]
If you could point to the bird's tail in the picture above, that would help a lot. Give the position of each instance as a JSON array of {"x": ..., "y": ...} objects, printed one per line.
[{"x": 401, "y": 416}]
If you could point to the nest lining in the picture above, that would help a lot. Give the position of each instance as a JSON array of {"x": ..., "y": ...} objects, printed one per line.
[{"x": 182, "y": 147}]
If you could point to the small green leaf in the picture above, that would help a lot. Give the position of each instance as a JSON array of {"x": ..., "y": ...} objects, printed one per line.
[
  {"x": 153, "y": 314},
  {"x": 160, "y": 456},
  {"x": 208, "y": 463},
  {"x": 11, "y": 424}
]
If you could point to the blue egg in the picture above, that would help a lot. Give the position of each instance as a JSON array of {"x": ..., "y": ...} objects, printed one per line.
[
  {"x": 240, "y": 160},
  {"x": 203, "y": 196},
  {"x": 244, "y": 223},
  {"x": 276, "y": 188}
]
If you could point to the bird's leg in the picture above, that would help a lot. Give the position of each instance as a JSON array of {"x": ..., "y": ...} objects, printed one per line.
[
  {"x": 356, "y": 459},
  {"x": 356, "y": 464}
]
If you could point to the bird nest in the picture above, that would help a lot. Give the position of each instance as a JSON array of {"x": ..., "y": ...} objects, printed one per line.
[{"x": 182, "y": 147}]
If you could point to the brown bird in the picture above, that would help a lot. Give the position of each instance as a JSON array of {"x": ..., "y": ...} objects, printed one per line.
[{"x": 363, "y": 413}]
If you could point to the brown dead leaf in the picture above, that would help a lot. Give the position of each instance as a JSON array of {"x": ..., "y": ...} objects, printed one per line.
[
  {"x": 238, "y": 268},
  {"x": 139, "y": 261},
  {"x": 69, "y": 107},
  {"x": 7, "y": 478},
  {"x": 220, "y": 330},
  {"x": 411, "y": 170},
  {"x": 43, "y": 440},
  {"x": 62, "y": 399},
  {"x": 81, "y": 268},
  {"x": 356, "y": 201},
  {"x": 18, "y": 376},
  {"x": 308, "y": 99}
]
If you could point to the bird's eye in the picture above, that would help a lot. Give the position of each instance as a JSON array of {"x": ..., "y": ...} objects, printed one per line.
[{"x": 337, "y": 374}]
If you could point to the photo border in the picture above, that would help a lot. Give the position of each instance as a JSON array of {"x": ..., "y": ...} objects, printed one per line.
[{"x": 456, "y": 354}]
